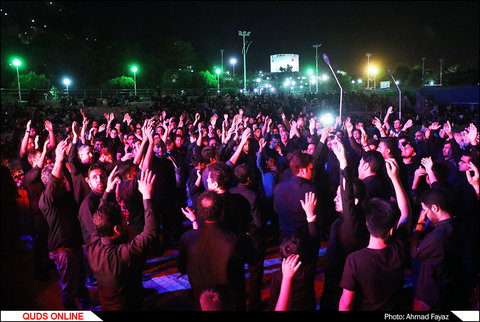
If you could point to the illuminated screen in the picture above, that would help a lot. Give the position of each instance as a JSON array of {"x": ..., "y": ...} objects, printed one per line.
[{"x": 282, "y": 61}]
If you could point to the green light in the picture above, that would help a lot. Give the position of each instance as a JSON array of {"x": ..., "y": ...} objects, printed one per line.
[
  {"x": 310, "y": 72},
  {"x": 134, "y": 69},
  {"x": 16, "y": 62},
  {"x": 218, "y": 71}
]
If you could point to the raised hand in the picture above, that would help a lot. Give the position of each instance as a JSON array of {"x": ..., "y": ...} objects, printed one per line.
[
  {"x": 392, "y": 168},
  {"x": 113, "y": 180},
  {"x": 290, "y": 266},
  {"x": 145, "y": 184},
  {"x": 308, "y": 205}
]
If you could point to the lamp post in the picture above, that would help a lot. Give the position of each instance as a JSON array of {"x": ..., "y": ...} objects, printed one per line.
[
  {"x": 218, "y": 71},
  {"x": 244, "y": 52},
  {"x": 310, "y": 72},
  {"x": 221, "y": 54},
  {"x": 16, "y": 62},
  {"x": 423, "y": 68},
  {"x": 233, "y": 61},
  {"x": 316, "y": 66},
  {"x": 134, "y": 70},
  {"x": 368, "y": 69},
  {"x": 325, "y": 58},
  {"x": 66, "y": 82},
  {"x": 441, "y": 61},
  {"x": 399, "y": 96}
]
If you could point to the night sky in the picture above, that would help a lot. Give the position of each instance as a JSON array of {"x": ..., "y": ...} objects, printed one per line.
[{"x": 393, "y": 32}]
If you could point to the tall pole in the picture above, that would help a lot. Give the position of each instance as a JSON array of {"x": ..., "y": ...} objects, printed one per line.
[
  {"x": 316, "y": 66},
  {"x": 368, "y": 69},
  {"x": 441, "y": 61},
  {"x": 135, "y": 82},
  {"x": 244, "y": 52},
  {"x": 221, "y": 51},
  {"x": 423, "y": 68},
  {"x": 19, "y": 91}
]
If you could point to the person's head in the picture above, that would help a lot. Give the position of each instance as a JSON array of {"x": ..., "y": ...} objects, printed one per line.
[
  {"x": 198, "y": 162},
  {"x": 109, "y": 221},
  {"x": 159, "y": 148},
  {"x": 46, "y": 175},
  {"x": 243, "y": 174},
  {"x": 113, "y": 133},
  {"x": 128, "y": 170},
  {"x": 388, "y": 147},
  {"x": 131, "y": 139},
  {"x": 371, "y": 163},
  {"x": 446, "y": 150},
  {"x": 257, "y": 133},
  {"x": 437, "y": 204},
  {"x": 283, "y": 135},
  {"x": 209, "y": 154},
  {"x": 397, "y": 125},
  {"x": 85, "y": 154},
  {"x": 219, "y": 177},
  {"x": 310, "y": 148},
  {"x": 407, "y": 150},
  {"x": 372, "y": 143},
  {"x": 357, "y": 134},
  {"x": 274, "y": 141},
  {"x": 208, "y": 206},
  {"x": 419, "y": 137},
  {"x": 301, "y": 165},
  {"x": 290, "y": 245},
  {"x": 98, "y": 144},
  {"x": 382, "y": 217},
  {"x": 465, "y": 159},
  {"x": 358, "y": 194},
  {"x": 97, "y": 178},
  {"x": 33, "y": 156},
  {"x": 178, "y": 140},
  {"x": 218, "y": 297}
]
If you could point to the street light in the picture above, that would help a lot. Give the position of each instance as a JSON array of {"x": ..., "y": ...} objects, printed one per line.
[
  {"x": 233, "y": 61},
  {"x": 374, "y": 71},
  {"x": 310, "y": 72},
  {"x": 218, "y": 71},
  {"x": 316, "y": 64},
  {"x": 66, "y": 82},
  {"x": 368, "y": 69},
  {"x": 134, "y": 70},
  {"x": 16, "y": 62},
  {"x": 244, "y": 52}
]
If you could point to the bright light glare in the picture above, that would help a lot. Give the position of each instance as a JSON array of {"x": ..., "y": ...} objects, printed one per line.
[
  {"x": 66, "y": 81},
  {"x": 233, "y": 61},
  {"x": 327, "y": 119},
  {"x": 218, "y": 71},
  {"x": 359, "y": 81},
  {"x": 16, "y": 62},
  {"x": 134, "y": 69},
  {"x": 324, "y": 77}
]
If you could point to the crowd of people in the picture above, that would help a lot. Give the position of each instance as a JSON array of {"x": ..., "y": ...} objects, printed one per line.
[{"x": 107, "y": 192}]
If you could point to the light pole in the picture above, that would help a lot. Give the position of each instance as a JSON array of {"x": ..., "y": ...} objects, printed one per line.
[
  {"x": 66, "y": 82},
  {"x": 233, "y": 61},
  {"x": 218, "y": 71},
  {"x": 399, "y": 96},
  {"x": 221, "y": 54},
  {"x": 134, "y": 70},
  {"x": 316, "y": 66},
  {"x": 16, "y": 62},
  {"x": 310, "y": 72},
  {"x": 423, "y": 68},
  {"x": 325, "y": 58},
  {"x": 441, "y": 61},
  {"x": 368, "y": 69},
  {"x": 244, "y": 52}
]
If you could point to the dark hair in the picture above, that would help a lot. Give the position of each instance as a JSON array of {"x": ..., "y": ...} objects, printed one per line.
[
  {"x": 107, "y": 216},
  {"x": 242, "y": 173},
  {"x": 290, "y": 246},
  {"x": 46, "y": 176},
  {"x": 381, "y": 216},
  {"x": 299, "y": 160},
  {"x": 196, "y": 159},
  {"x": 97, "y": 166},
  {"x": 392, "y": 144},
  {"x": 209, "y": 153},
  {"x": 220, "y": 173},
  {"x": 31, "y": 154},
  {"x": 208, "y": 206},
  {"x": 439, "y": 197},
  {"x": 376, "y": 161}
]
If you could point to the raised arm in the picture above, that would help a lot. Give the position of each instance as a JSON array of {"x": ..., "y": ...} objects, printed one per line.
[
  {"x": 290, "y": 266},
  {"x": 24, "y": 144},
  {"x": 401, "y": 196}
]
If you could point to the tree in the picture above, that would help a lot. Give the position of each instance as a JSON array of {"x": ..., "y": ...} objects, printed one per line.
[
  {"x": 32, "y": 81},
  {"x": 120, "y": 82}
]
